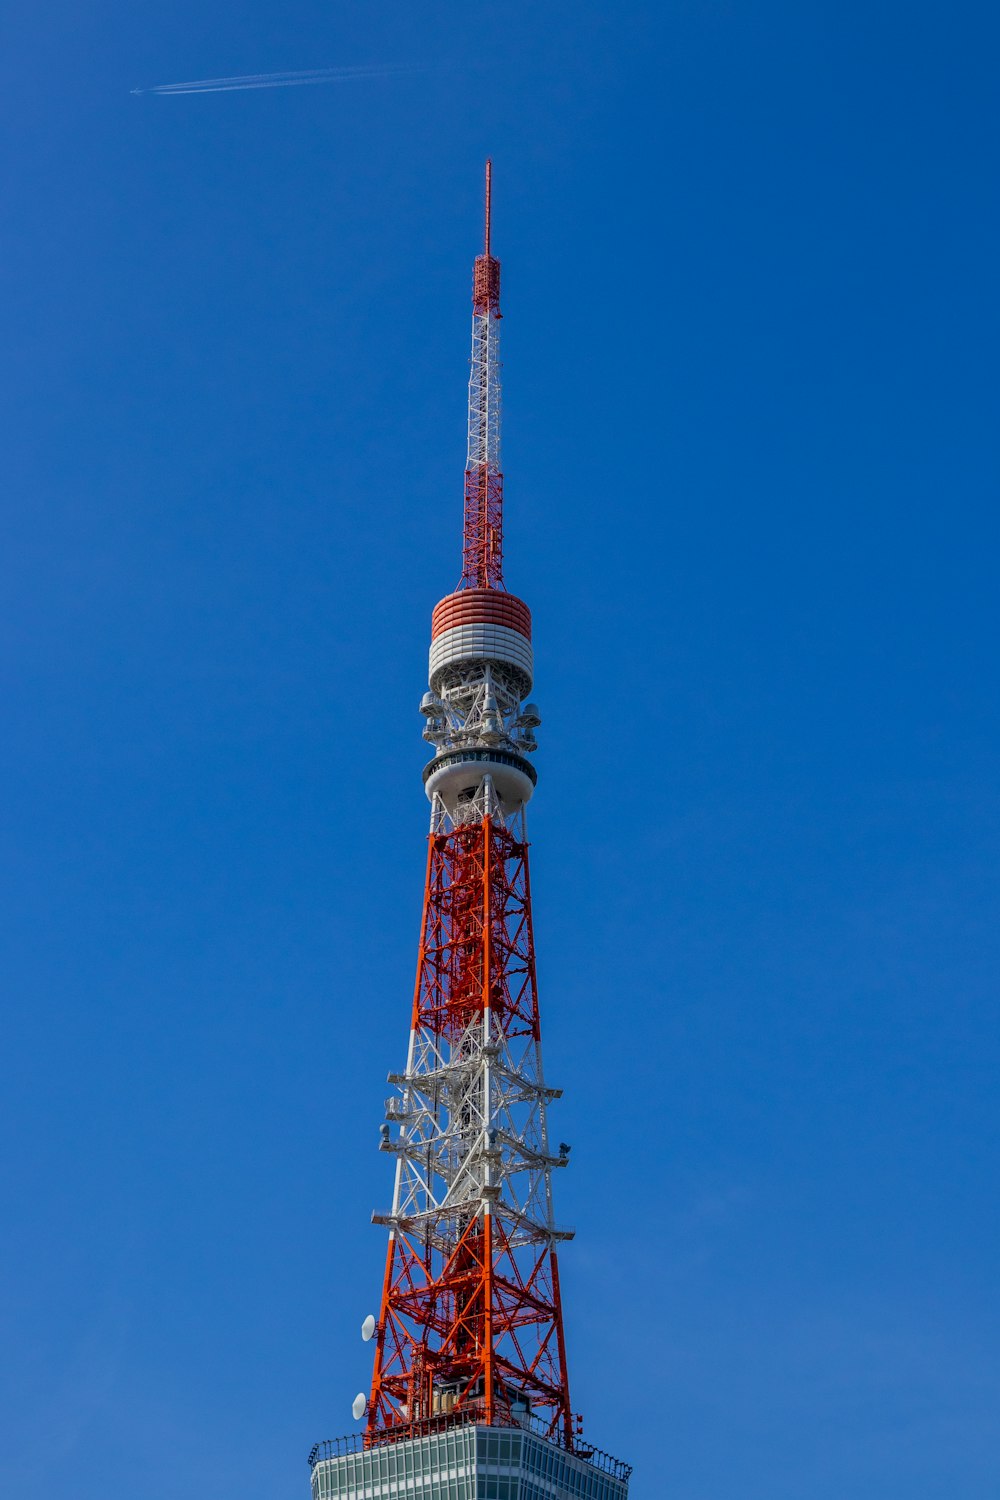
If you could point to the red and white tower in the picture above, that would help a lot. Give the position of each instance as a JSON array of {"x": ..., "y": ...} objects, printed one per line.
[
  {"x": 469, "y": 1335},
  {"x": 471, "y": 1318}
]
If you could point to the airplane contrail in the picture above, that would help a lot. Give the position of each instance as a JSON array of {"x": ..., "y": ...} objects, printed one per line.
[{"x": 278, "y": 80}]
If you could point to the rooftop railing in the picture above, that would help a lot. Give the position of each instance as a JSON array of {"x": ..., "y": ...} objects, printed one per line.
[{"x": 360, "y": 1442}]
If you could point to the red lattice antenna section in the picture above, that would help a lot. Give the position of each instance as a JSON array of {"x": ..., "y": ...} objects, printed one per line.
[{"x": 482, "y": 554}]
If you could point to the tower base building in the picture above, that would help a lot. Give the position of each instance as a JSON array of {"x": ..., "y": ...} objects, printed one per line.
[{"x": 465, "y": 1461}]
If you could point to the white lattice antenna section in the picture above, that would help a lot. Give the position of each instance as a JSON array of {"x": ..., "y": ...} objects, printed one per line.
[{"x": 484, "y": 394}]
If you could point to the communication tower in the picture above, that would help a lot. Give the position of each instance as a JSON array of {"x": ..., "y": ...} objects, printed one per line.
[{"x": 470, "y": 1390}]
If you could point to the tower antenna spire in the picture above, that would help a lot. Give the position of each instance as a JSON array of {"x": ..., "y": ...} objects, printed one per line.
[{"x": 482, "y": 539}]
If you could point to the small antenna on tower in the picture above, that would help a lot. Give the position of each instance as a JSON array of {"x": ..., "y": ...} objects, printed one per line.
[{"x": 489, "y": 198}]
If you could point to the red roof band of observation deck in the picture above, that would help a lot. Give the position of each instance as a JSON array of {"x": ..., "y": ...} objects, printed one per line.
[{"x": 481, "y": 607}]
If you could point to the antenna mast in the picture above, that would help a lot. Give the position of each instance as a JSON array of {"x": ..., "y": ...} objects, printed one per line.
[{"x": 482, "y": 555}]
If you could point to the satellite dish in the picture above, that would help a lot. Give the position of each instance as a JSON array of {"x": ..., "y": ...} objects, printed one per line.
[
  {"x": 359, "y": 1406},
  {"x": 368, "y": 1328}
]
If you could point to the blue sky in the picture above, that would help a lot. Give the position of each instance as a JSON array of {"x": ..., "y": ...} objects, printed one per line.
[{"x": 751, "y": 327}]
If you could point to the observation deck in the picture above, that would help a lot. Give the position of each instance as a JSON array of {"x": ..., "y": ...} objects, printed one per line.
[
  {"x": 475, "y": 625},
  {"x": 455, "y": 776}
]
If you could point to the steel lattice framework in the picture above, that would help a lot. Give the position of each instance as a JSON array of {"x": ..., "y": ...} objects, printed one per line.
[
  {"x": 471, "y": 1319},
  {"x": 471, "y": 1310}
]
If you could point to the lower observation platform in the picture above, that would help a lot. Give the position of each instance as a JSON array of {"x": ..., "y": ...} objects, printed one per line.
[{"x": 451, "y": 1460}]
